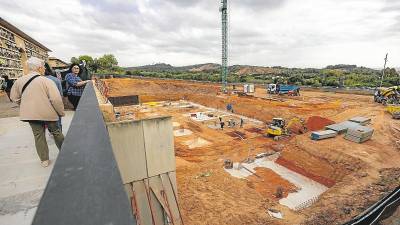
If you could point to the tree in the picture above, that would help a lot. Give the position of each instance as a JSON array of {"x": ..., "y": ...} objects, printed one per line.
[
  {"x": 96, "y": 65},
  {"x": 74, "y": 60},
  {"x": 107, "y": 62},
  {"x": 87, "y": 58}
]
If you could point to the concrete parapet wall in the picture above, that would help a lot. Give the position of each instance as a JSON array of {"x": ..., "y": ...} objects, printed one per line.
[{"x": 105, "y": 106}]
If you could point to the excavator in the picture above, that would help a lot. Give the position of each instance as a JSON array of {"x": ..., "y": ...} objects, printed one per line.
[
  {"x": 278, "y": 126},
  {"x": 389, "y": 95}
]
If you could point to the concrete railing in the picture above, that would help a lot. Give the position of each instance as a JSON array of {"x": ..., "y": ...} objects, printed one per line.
[{"x": 85, "y": 186}]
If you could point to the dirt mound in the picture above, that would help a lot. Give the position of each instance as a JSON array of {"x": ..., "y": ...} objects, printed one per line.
[
  {"x": 296, "y": 127},
  {"x": 318, "y": 123}
]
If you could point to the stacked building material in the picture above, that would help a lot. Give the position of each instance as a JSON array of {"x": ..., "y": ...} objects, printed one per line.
[
  {"x": 342, "y": 127},
  {"x": 359, "y": 134},
  {"x": 320, "y": 135},
  {"x": 361, "y": 120}
]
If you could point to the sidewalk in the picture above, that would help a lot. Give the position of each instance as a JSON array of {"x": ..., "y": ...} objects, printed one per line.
[{"x": 22, "y": 179}]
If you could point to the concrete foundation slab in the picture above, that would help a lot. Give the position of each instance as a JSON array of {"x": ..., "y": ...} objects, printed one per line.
[
  {"x": 197, "y": 143},
  {"x": 308, "y": 189},
  {"x": 201, "y": 116},
  {"x": 182, "y": 132}
]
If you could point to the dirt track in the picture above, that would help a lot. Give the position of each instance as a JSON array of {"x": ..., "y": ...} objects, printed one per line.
[{"x": 353, "y": 169}]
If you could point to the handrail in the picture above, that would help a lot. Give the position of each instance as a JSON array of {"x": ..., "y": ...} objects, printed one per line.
[{"x": 85, "y": 186}]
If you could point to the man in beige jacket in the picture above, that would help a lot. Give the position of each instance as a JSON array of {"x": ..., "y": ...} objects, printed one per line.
[{"x": 40, "y": 104}]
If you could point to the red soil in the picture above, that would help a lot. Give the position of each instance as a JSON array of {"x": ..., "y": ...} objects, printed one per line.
[
  {"x": 268, "y": 182},
  {"x": 318, "y": 123},
  {"x": 322, "y": 180}
]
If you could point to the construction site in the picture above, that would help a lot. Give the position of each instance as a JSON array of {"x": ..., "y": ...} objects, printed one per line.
[
  {"x": 142, "y": 150},
  {"x": 239, "y": 174}
]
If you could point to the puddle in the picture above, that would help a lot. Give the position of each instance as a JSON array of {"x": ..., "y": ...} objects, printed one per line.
[
  {"x": 196, "y": 143},
  {"x": 307, "y": 194},
  {"x": 182, "y": 132}
]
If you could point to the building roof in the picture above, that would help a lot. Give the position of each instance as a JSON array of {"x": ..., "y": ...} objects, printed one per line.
[
  {"x": 20, "y": 33},
  {"x": 54, "y": 58}
]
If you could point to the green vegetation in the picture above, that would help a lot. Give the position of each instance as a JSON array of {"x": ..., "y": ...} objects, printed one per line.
[
  {"x": 104, "y": 64},
  {"x": 333, "y": 76}
]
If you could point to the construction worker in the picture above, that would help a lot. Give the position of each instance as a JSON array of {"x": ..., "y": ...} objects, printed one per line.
[{"x": 229, "y": 107}]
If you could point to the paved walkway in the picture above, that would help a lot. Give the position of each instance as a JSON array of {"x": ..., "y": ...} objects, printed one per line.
[{"x": 22, "y": 179}]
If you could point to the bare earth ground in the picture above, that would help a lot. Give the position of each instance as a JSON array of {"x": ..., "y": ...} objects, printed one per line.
[
  {"x": 7, "y": 108},
  {"x": 361, "y": 173}
]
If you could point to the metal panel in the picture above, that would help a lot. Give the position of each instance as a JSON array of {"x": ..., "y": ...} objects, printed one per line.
[
  {"x": 343, "y": 126},
  {"x": 159, "y": 145},
  {"x": 172, "y": 177},
  {"x": 143, "y": 207},
  {"x": 160, "y": 206},
  {"x": 360, "y": 120},
  {"x": 129, "y": 149},
  {"x": 171, "y": 198},
  {"x": 128, "y": 189}
]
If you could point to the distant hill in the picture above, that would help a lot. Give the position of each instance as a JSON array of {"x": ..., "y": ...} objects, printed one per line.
[
  {"x": 333, "y": 75},
  {"x": 163, "y": 67},
  {"x": 158, "y": 67},
  {"x": 207, "y": 67}
]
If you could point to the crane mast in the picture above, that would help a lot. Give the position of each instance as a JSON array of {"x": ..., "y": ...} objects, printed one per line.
[
  {"x": 224, "y": 65},
  {"x": 384, "y": 68}
]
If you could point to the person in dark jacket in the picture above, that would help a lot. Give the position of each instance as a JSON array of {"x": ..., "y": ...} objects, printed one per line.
[
  {"x": 9, "y": 84},
  {"x": 75, "y": 85},
  {"x": 49, "y": 74}
]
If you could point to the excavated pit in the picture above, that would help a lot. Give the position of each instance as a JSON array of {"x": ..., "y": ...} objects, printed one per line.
[{"x": 311, "y": 175}]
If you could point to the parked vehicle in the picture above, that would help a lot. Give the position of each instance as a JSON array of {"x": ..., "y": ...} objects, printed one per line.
[{"x": 291, "y": 90}]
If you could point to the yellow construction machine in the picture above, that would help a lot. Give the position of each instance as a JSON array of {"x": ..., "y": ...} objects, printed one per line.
[
  {"x": 276, "y": 128},
  {"x": 388, "y": 95},
  {"x": 279, "y": 127},
  {"x": 394, "y": 110}
]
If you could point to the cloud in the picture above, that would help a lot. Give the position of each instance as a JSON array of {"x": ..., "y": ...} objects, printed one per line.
[{"x": 181, "y": 32}]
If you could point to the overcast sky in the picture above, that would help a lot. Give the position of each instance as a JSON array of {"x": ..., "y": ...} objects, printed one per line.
[{"x": 307, "y": 33}]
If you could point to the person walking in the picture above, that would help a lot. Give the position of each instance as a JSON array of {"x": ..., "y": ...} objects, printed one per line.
[
  {"x": 222, "y": 125},
  {"x": 241, "y": 122},
  {"x": 48, "y": 73},
  {"x": 8, "y": 85},
  {"x": 75, "y": 85},
  {"x": 40, "y": 105}
]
